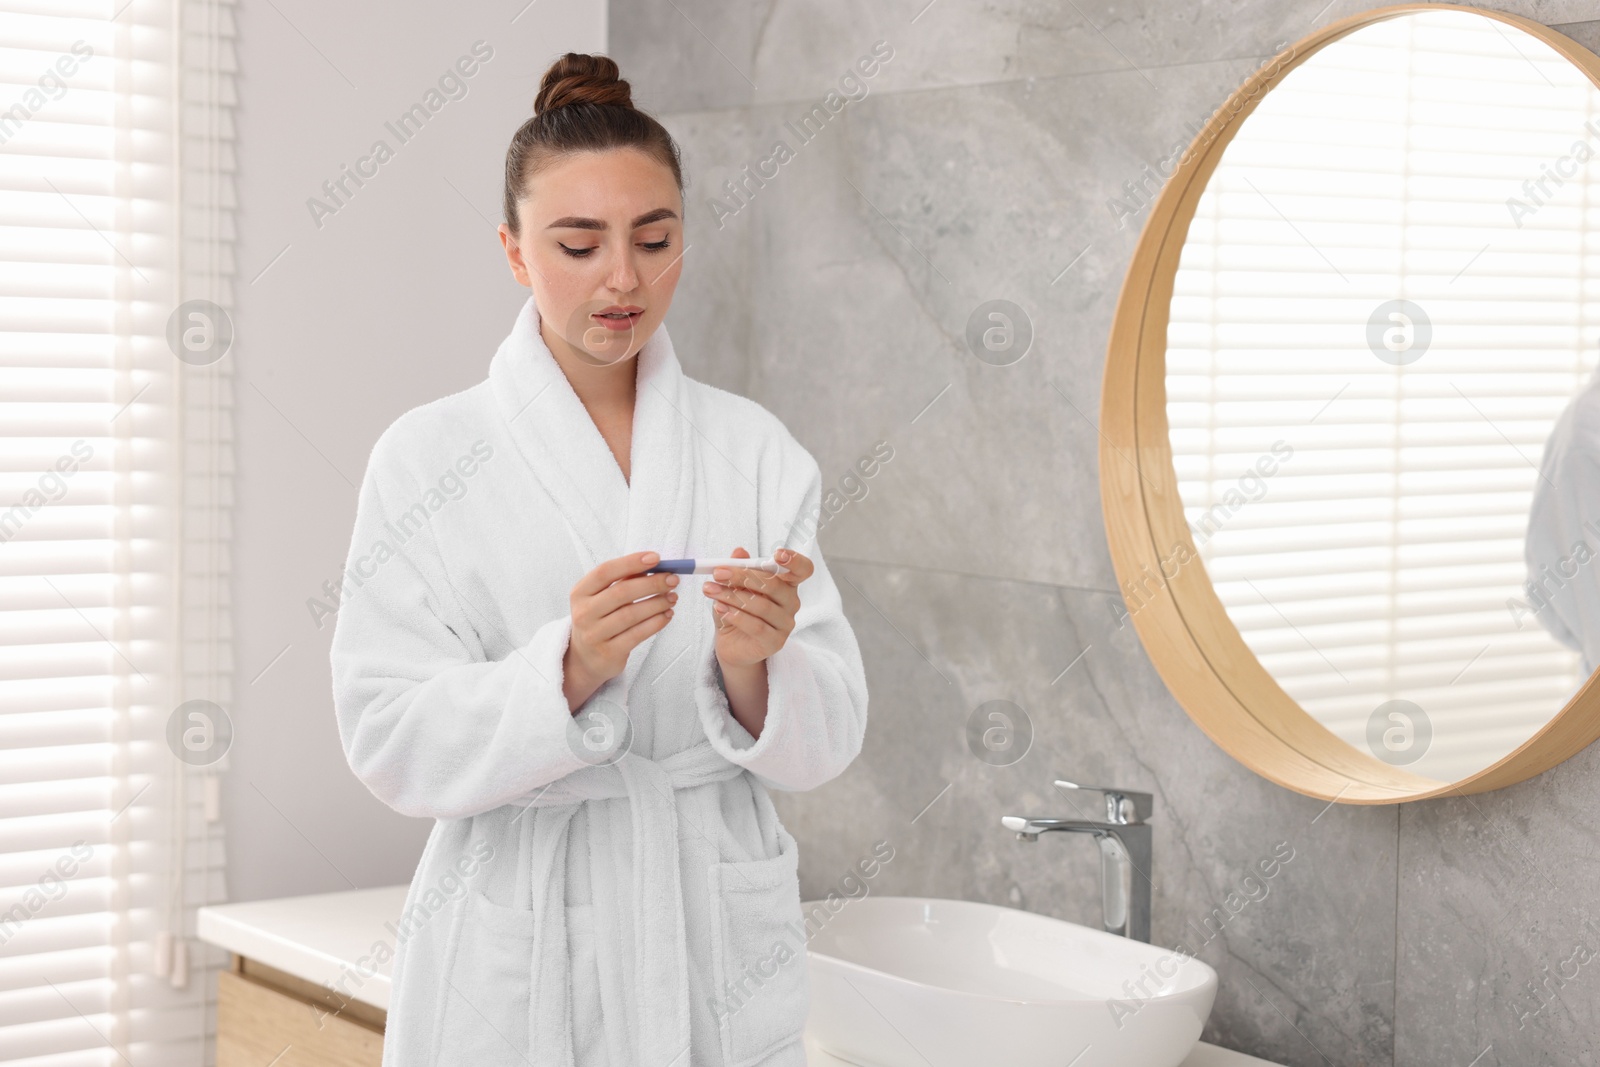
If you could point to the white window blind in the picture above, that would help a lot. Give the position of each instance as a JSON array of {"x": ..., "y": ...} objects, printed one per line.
[
  {"x": 1380, "y": 560},
  {"x": 115, "y": 460}
]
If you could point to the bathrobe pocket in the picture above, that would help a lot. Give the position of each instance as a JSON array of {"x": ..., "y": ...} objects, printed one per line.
[
  {"x": 758, "y": 953},
  {"x": 490, "y": 984}
]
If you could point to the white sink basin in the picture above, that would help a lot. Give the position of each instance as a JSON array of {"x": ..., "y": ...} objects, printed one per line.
[{"x": 918, "y": 982}]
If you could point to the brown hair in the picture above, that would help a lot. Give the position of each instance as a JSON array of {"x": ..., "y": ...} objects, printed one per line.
[{"x": 582, "y": 106}]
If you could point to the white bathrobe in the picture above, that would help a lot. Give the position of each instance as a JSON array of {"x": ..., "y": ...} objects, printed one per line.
[
  {"x": 1563, "y": 543},
  {"x": 643, "y": 913}
]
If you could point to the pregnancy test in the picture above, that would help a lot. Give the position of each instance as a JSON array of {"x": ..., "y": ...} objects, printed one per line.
[{"x": 706, "y": 566}]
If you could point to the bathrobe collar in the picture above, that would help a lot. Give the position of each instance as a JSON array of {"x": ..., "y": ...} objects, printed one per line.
[{"x": 606, "y": 514}]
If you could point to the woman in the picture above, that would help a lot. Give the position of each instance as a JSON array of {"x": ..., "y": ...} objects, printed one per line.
[
  {"x": 1563, "y": 585},
  {"x": 608, "y": 881}
]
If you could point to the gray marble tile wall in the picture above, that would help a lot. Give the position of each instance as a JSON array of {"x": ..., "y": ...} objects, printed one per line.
[{"x": 979, "y": 165}]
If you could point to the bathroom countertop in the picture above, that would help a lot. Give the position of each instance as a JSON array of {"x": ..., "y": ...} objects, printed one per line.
[
  {"x": 321, "y": 938},
  {"x": 332, "y": 938}
]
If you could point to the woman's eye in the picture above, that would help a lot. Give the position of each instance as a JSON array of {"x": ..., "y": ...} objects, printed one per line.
[{"x": 653, "y": 246}]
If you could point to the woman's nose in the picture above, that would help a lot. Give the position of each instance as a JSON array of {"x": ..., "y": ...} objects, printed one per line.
[{"x": 624, "y": 277}]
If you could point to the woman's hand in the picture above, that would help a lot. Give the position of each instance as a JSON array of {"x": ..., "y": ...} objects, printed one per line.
[
  {"x": 754, "y": 610},
  {"x": 607, "y": 624}
]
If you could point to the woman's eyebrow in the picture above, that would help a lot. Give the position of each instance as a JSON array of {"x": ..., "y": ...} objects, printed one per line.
[{"x": 575, "y": 222}]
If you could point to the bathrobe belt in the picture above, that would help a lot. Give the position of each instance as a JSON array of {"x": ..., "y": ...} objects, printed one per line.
[{"x": 660, "y": 965}]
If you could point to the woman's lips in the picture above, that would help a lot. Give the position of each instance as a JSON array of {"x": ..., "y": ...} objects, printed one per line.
[{"x": 619, "y": 322}]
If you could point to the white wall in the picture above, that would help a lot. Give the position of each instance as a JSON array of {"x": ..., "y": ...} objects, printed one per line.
[{"x": 398, "y": 298}]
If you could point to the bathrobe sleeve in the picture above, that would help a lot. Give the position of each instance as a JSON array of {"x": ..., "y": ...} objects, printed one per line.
[
  {"x": 429, "y": 726},
  {"x": 816, "y": 685}
]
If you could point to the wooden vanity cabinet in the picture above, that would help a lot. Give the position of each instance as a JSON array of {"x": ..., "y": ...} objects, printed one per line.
[{"x": 267, "y": 1016}]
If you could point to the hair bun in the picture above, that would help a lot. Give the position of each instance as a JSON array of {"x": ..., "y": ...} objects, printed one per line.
[{"x": 577, "y": 78}]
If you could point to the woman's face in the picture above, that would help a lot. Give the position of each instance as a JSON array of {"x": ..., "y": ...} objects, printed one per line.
[{"x": 600, "y": 244}]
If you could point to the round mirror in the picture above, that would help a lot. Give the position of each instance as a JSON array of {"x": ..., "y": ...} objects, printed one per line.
[{"x": 1347, "y": 398}]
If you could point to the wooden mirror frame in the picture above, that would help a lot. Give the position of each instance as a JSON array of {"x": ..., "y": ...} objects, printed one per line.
[{"x": 1187, "y": 633}]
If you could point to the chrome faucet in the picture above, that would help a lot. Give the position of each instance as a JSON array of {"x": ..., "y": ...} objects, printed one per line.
[{"x": 1124, "y": 840}]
